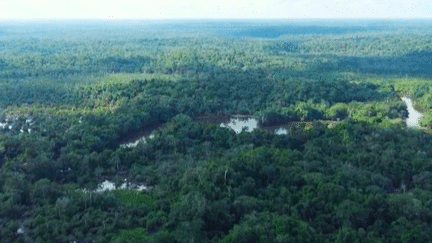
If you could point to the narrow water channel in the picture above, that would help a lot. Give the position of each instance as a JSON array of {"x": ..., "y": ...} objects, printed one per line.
[
  {"x": 238, "y": 122},
  {"x": 234, "y": 122}
]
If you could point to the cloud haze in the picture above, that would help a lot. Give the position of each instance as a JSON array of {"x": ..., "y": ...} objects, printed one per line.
[{"x": 227, "y": 9}]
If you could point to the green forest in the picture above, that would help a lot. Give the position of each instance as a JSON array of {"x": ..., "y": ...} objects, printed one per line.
[{"x": 353, "y": 172}]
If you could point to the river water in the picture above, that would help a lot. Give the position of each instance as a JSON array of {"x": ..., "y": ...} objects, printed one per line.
[{"x": 413, "y": 115}]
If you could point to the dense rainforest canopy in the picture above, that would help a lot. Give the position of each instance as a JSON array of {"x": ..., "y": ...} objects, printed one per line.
[{"x": 68, "y": 100}]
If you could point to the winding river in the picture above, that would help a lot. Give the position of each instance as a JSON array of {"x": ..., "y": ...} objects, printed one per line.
[
  {"x": 238, "y": 122},
  {"x": 235, "y": 122}
]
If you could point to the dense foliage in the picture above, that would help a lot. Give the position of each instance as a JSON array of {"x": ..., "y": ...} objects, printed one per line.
[{"x": 68, "y": 101}]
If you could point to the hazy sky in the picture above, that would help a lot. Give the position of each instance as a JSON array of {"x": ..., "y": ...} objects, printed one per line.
[{"x": 227, "y": 9}]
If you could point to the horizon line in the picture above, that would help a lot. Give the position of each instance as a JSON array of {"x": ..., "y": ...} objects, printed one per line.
[{"x": 290, "y": 18}]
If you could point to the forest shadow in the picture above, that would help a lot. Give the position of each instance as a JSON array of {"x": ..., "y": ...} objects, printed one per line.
[
  {"x": 174, "y": 42},
  {"x": 314, "y": 83},
  {"x": 110, "y": 64},
  {"x": 316, "y": 86},
  {"x": 416, "y": 63},
  {"x": 282, "y": 46},
  {"x": 127, "y": 65},
  {"x": 52, "y": 73},
  {"x": 30, "y": 94},
  {"x": 276, "y": 31}
]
